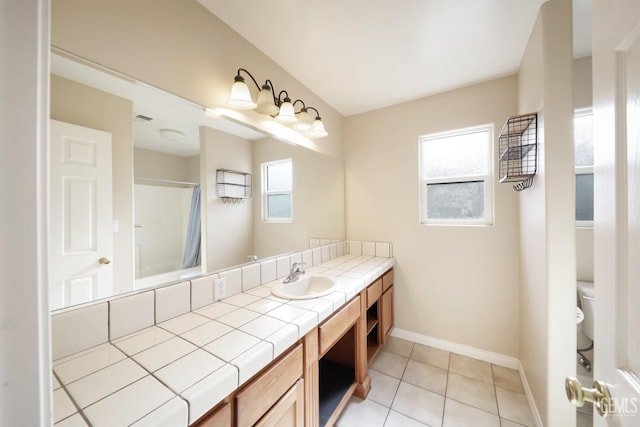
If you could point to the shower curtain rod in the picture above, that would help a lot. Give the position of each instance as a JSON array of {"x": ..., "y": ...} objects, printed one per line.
[{"x": 164, "y": 181}]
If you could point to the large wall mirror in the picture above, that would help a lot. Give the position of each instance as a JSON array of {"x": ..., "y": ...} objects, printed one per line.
[{"x": 134, "y": 195}]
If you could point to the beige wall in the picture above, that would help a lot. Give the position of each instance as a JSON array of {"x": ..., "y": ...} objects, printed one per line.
[
  {"x": 582, "y": 98},
  {"x": 228, "y": 227},
  {"x": 157, "y": 165},
  {"x": 178, "y": 46},
  {"x": 455, "y": 283},
  {"x": 318, "y": 199},
  {"x": 74, "y": 103},
  {"x": 547, "y": 217}
]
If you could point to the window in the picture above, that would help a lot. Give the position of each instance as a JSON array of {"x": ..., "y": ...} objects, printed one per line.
[
  {"x": 277, "y": 191},
  {"x": 583, "y": 139},
  {"x": 455, "y": 177}
]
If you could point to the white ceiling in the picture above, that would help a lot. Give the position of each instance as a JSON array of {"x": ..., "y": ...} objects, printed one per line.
[{"x": 360, "y": 55}]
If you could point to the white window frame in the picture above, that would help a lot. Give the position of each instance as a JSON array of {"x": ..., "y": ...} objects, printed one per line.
[
  {"x": 582, "y": 170},
  {"x": 266, "y": 193},
  {"x": 487, "y": 220}
]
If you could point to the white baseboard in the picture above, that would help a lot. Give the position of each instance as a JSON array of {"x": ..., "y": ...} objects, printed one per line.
[
  {"x": 465, "y": 350},
  {"x": 527, "y": 391},
  {"x": 476, "y": 353}
]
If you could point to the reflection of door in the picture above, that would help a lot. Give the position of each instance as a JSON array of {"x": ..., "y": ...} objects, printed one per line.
[
  {"x": 616, "y": 80},
  {"x": 81, "y": 213}
]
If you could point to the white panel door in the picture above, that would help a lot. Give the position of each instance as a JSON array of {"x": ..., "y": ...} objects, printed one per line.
[
  {"x": 616, "y": 96},
  {"x": 81, "y": 213}
]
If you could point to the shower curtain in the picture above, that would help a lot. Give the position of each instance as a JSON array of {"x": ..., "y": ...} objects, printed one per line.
[{"x": 192, "y": 246}]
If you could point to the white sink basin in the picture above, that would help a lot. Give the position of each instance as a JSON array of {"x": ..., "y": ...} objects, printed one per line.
[{"x": 306, "y": 287}]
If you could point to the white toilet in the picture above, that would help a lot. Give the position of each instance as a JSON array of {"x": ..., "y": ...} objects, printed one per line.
[
  {"x": 587, "y": 300},
  {"x": 585, "y": 328}
]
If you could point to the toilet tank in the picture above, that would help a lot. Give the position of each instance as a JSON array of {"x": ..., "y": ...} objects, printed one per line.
[{"x": 587, "y": 300}]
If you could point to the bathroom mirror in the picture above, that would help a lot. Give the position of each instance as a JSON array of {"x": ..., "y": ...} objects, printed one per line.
[{"x": 165, "y": 152}]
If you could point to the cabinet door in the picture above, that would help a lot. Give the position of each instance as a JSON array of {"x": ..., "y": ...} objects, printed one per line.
[
  {"x": 387, "y": 313},
  {"x": 263, "y": 392},
  {"x": 288, "y": 411}
]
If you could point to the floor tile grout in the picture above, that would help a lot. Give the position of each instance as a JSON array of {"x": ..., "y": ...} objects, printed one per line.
[{"x": 445, "y": 394}]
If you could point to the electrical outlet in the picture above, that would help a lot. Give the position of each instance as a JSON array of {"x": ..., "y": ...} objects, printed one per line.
[{"x": 220, "y": 287}]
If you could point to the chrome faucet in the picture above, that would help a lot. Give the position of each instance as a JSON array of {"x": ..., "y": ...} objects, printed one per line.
[{"x": 296, "y": 270}]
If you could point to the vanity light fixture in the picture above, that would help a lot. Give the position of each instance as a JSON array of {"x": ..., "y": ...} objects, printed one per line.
[{"x": 279, "y": 107}]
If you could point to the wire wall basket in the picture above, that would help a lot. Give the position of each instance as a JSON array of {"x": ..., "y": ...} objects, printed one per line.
[
  {"x": 233, "y": 186},
  {"x": 518, "y": 143}
]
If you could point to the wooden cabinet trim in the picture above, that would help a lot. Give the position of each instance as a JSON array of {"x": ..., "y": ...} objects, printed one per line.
[
  {"x": 220, "y": 417},
  {"x": 387, "y": 280},
  {"x": 335, "y": 327},
  {"x": 254, "y": 400},
  {"x": 373, "y": 292},
  {"x": 292, "y": 401}
]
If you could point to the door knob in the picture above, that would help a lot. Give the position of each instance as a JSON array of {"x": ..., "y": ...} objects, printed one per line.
[
  {"x": 598, "y": 395},
  {"x": 104, "y": 261}
]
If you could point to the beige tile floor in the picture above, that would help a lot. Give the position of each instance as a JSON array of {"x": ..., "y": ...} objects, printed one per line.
[{"x": 413, "y": 385}]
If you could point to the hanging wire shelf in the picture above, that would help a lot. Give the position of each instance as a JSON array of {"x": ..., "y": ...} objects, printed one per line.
[
  {"x": 233, "y": 186},
  {"x": 518, "y": 148}
]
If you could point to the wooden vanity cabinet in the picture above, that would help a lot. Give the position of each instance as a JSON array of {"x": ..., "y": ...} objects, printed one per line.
[
  {"x": 386, "y": 306},
  {"x": 379, "y": 314},
  {"x": 220, "y": 417},
  {"x": 288, "y": 411},
  {"x": 274, "y": 395}
]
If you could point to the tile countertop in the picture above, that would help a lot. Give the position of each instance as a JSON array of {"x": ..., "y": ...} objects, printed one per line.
[{"x": 172, "y": 373}]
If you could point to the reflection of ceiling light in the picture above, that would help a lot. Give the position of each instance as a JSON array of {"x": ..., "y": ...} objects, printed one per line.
[{"x": 172, "y": 134}]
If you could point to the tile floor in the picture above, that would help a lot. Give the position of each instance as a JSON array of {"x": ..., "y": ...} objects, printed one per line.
[{"x": 413, "y": 385}]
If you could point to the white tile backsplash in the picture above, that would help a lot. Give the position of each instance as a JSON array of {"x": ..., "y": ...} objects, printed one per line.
[
  {"x": 172, "y": 301},
  {"x": 333, "y": 250},
  {"x": 233, "y": 280},
  {"x": 268, "y": 271},
  {"x": 355, "y": 247},
  {"x": 368, "y": 248},
  {"x": 383, "y": 249},
  {"x": 306, "y": 257},
  {"x": 283, "y": 267},
  {"x": 202, "y": 291},
  {"x": 314, "y": 243},
  {"x": 325, "y": 254},
  {"x": 297, "y": 257},
  {"x": 316, "y": 256},
  {"x": 250, "y": 277},
  {"x": 79, "y": 329},
  {"x": 130, "y": 314}
]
